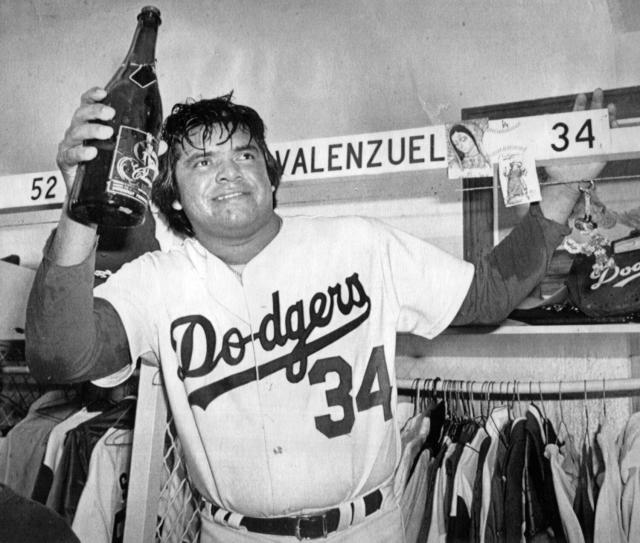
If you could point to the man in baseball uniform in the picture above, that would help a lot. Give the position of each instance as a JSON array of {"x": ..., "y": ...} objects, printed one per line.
[{"x": 275, "y": 336}]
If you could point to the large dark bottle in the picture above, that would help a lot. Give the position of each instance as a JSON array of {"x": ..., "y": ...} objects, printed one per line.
[{"x": 114, "y": 188}]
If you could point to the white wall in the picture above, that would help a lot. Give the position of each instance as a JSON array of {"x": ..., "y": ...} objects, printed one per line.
[{"x": 313, "y": 68}]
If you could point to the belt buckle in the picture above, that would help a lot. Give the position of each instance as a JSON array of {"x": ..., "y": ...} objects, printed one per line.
[{"x": 299, "y": 519}]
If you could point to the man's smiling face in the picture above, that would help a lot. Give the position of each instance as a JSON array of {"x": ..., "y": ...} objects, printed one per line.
[{"x": 224, "y": 186}]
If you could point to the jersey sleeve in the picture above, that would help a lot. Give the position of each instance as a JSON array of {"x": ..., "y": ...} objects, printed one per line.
[
  {"x": 132, "y": 292},
  {"x": 428, "y": 283},
  {"x": 511, "y": 270},
  {"x": 69, "y": 336}
]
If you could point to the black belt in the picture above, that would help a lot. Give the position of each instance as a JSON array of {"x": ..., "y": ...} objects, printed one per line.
[{"x": 308, "y": 526}]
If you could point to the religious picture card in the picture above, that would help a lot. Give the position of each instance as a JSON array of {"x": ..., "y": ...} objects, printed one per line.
[
  {"x": 518, "y": 178},
  {"x": 466, "y": 155}
]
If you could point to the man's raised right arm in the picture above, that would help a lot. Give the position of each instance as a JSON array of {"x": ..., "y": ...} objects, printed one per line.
[{"x": 71, "y": 337}]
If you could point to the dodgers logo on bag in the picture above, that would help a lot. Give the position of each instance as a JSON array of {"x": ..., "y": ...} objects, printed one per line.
[{"x": 614, "y": 291}]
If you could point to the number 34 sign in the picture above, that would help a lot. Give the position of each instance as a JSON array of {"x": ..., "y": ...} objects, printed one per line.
[
  {"x": 31, "y": 191},
  {"x": 579, "y": 133},
  {"x": 571, "y": 135}
]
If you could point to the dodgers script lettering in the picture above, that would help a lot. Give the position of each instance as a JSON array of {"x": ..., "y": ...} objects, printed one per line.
[
  {"x": 293, "y": 326},
  {"x": 623, "y": 276}
]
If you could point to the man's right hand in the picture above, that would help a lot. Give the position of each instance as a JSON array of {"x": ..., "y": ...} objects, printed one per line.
[
  {"x": 74, "y": 241},
  {"x": 72, "y": 150}
]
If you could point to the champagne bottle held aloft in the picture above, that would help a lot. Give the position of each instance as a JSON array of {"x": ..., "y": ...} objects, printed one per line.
[{"x": 114, "y": 188}]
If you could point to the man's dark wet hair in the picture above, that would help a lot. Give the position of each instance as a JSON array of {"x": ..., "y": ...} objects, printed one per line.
[{"x": 177, "y": 130}]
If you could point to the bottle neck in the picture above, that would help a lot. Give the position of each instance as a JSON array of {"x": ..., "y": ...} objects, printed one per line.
[{"x": 143, "y": 44}]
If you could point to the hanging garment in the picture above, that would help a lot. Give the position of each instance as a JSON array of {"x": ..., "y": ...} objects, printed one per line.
[
  {"x": 476, "y": 502},
  {"x": 53, "y": 452},
  {"x": 463, "y": 433},
  {"x": 598, "y": 467},
  {"x": 542, "y": 517},
  {"x": 70, "y": 477},
  {"x": 459, "y": 529},
  {"x": 514, "y": 516},
  {"x": 495, "y": 422},
  {"x": 584, "y": 502},
  {"x": 436, "y": 446},
  {"x": 404, "y": 412},
  {"x": 608, "y": 522},
  {"x": 494, "y": 529},
  {"x": 565, "y": 473},
  {"x": 25, "y": 444},
  {"x": 437, "y": 419},
  {"x": 414, "y": 497},
  {"x": 410, "y": 478},
  {"x": 437, "y": 528},
  {"x": 100, "y": 514},
  {"x": 412, "y": 437},
  {"x": 630, "y": 474}
]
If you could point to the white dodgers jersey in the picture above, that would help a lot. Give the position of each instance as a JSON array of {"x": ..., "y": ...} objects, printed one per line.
[{"x": 282, "y": 383}]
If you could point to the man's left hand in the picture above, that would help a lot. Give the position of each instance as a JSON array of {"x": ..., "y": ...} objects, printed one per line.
[{"x": 558, "y": 198}]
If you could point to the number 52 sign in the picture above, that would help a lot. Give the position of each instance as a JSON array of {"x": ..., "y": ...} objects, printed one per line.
[{"x": 31, "y": 191}]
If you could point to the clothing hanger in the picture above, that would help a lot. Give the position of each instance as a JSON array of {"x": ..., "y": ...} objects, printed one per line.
[
  {"x": 484, "y": 391},
  {"x": 561, "y": 424},
  {"x": 492, "y": 401},
  {"x": 451, "y": 424},
  {"x": 473, "y": 420},
  {"x": 501, "y": 437},
  {"x": 512, "y": 403},
  {"x": 500, "y": 395},
  {"x": 116, "y": 432},
  {"x": 415, "y": 387},
  {"x": 429, "y": 390},
  {"x": 427, "y": 395},
  {"x": 536, "y": 411},
  {"x": 604, "y": 400},
  {"x": 454, "y": 399},
  {"x": 464, "y": 405},
  {"x": 470, "y": 400},
  {"x": 489, "y": 417},
  {"x": 458, "y": 406},
  {"x": 445, "y": 401},
  {"x": 587, "y": 430},
  {"x": 545, "y": 420},
  {"x": 521, "y": 405},
  {"x": 118, "y": 437},
  {"x": 507, "y": 401},
  {"x": 460, "y": 415},
  {"x": 487, "y": 398},
  {"x": 464, "y": 421}
]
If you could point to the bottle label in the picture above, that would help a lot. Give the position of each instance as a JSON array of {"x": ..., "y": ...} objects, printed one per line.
[
  {"x": 144, "y": 75},
  {"x": 135, "y": 164}
]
